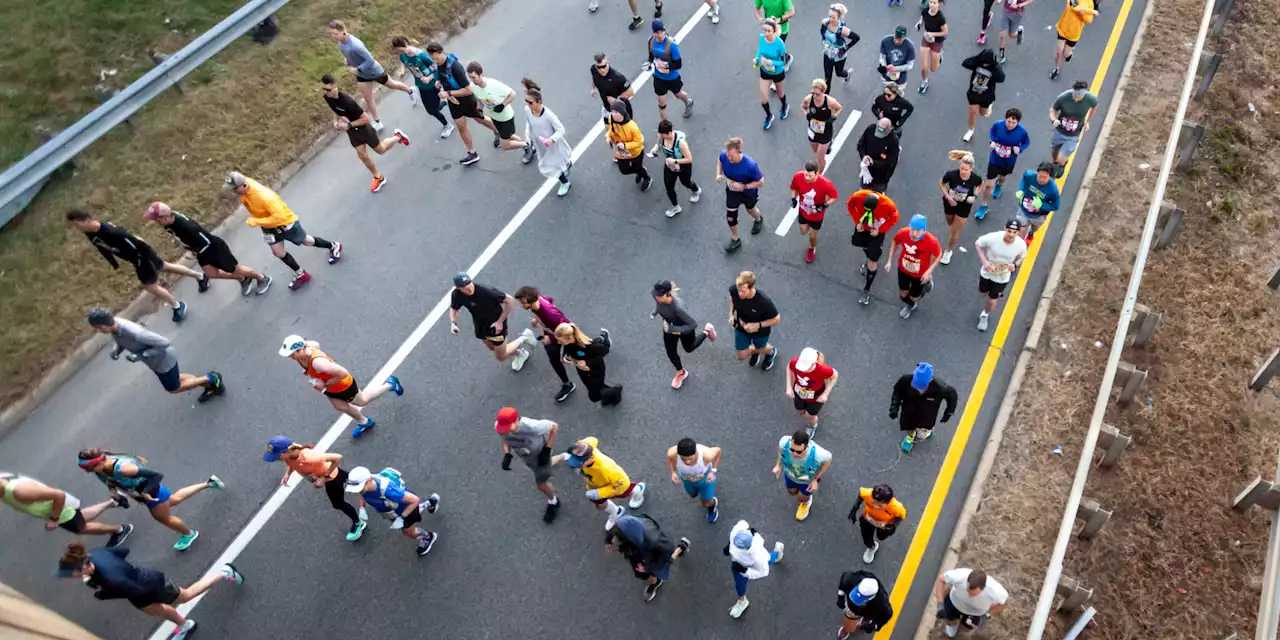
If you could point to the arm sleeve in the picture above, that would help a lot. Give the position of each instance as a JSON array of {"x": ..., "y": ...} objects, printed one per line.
[
  {"x": 675, "y": 62},
  {"x": 556, "y": 126},
  {"x": 997, "y": 74},
  {"x": 360, "y": 56},
  {"x": 970, "y": 63},
  {"x": 635, "y": 146},
  {"x": 911, "y": 56},
  {"x": 883, "y": 50},
  {"x": 862, "y": 142},
  {"x": 1025, "y": 141},
  {"x": 152, "y": 339},
  {"x": 1053, "y": 201},
  {"x": 684, "y": 323}
]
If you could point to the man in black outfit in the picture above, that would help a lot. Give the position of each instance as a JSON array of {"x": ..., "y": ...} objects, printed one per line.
[
  {"x": 649, "y": 550},
  {"x": 918, "y": 395},
  {"x": 489, "y": 310},
  {"x": 115, "y": 243},
  {"x": 864, "y": 601},
  {"x": 752, "y": 316},
  {"x": 609, "y": 84},
  {"x": 879, "y": 147},
  {"x": 349, "y": 117},
  {"x": 211, "y": 252}
]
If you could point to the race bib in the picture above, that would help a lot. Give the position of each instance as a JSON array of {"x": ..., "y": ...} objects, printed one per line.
[
  {"x": 910, "y": 265},
  {"x": 805, "y": 394},
  {"x": 817, "y": 126},
  {"x": 894, "y": 75},
  {"x": 1004, "y": 151},
  {"x": 997, "y": 269},
  {"x": 1069, "y": 125},
  {"x": 694, "y": 477},
  {"x": 959, "y": 195},
  {"x": 830, "y": 50},
  {"x": 1031, "y": 204}
]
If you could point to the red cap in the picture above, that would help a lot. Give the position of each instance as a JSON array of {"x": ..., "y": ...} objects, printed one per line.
[{"x": 507, "y": 418}]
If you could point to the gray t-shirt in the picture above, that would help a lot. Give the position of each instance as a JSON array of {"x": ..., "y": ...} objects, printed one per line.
[
  {"x": 1071, "y": 113},
  {"x": 527, "y": 441},
  {"x": 999, "y": 252},
  {"x": 152, "y": 348},
  {"x": 358, "y": 56},
  {"x": 677, "y": 317}
]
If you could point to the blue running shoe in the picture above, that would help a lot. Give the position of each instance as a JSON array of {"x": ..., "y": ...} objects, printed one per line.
[
  {"x": 907, "y": 443},
  {"x": 396, "y": 387},
  {"x": 995, "y": 193},
  {"x": 361, "y": 428},
  {"x": 980, "y": 213},
  {"x": 180, "y": 313},
  {"x": 768, "y": 122},
  {"x": 786, "y": 111}
]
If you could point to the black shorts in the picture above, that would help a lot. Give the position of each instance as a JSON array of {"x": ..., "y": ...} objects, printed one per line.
[
  {"x": 914, "y": 287},
  {"x": 983, "y": 100},
  {"x": 382, "y": 79},
  {"x": 812, "y": 224},
  {"x": 363, "y": 136},
  {"x": 148, "y": 269},
  {"x": 170, "y": 380},
  {"x": 506, "y": 129},
  {"x": 951, "y": 614},
  {"x": 293, "y": 233},
  {"x": 168, "y": 594},
  {"x": 872, "y": 246},
  {"x": 346, "y": 395},
  {"x": 663, "y": 87},
  {"x": 779, "y": 77},
  {"x": 484, "y": 331},
  {"x": 959, "y": 211},
  {"x": 998, "y": 170},
  {"x": 811, "y": 407},
  {"x": 994, "y": 290},
  {"x": 744, "y": 198},
  {"x": 218, "y": 256},
  {"x": 413, "y": 518},
  {"x": 1070, "y": 43},
  {"x": 75, "y": 524},
  {"x": 465, "y": 107}
]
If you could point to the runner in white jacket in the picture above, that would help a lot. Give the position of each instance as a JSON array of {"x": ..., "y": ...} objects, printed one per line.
[
  {"x": 750, "y": 561},
  {"x": 546, "y": 133}
]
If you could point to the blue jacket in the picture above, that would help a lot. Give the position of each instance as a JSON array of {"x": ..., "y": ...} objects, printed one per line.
[
  {"x": 1004, "y": 155},
  {"x": 1048, "y": 193},
  {"x": 114, "y": 577}
]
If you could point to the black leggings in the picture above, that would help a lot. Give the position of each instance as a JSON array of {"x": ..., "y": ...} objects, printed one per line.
[
  {"x": 431, "y": 100},
  {"x": 829, "y": 65},
  {"x": 986, "y": 13},
  {"x": 689, "y": 341},
  {"x": 685, "y": 177},
  {"x": 628, "y": 166},
  {"x": 336, "y": 490},
  {"x": 870, "y": 532},
  {"x": 553, "y": 354},
  {"x": 597, "y": 390}
]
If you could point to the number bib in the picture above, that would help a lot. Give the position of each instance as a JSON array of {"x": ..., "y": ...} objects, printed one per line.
[
  {"x": 1003, "y": 150},
  {"x": 911, "y": 265},
  {"x": 1070, "y": 125}
]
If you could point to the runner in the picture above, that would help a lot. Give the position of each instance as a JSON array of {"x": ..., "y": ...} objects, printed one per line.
[
  {"x": 1070, "y": 115},
  {"x": 112, "y": 577},
  {"x": 771, "y": 60},
  {"x": 608, "y": 84},
  {"x": 892, "y": 105},
  {"x": 127, "y": 474},
  {"x": 278, "y": 224},
  {"x": 546, "y": 317},
  {"x": 665, "y": 62},
  {"x": 837, "y": 39},
  {"x": 984, "y": 74},
  {"x": 865, "y": 603},
  {"x": 588, "y": 356},
  {"x": 498, "y": 99},
  {"x": 934, "y": 26},
  {"x": 897, "y": 57},
  {"x": 811, "y": 194},
  {"x": 960, "y": 187},
  {"x": 749, "y": 561},
  {"x": 636, "y": 20},
  {"x": 714, "y": 13},
  {"x": 155, "y": 351},
  {"x": 780, "y": 11},
  {"x": 967, "y": 597},
  {"x": 881, "y": 513},
  {"x": 349, "y": 117},
  {"x": 804, "y": 464},
  {"x": 1001, "y": 253},
  {"x": 532, "y": 440},
  {"x": 541, "y": 125},
  {"x": 388, "y": 494},
  {"x": 987, "y": 15},
  {"x": 742, "y": 180},
  {"x": 628, "y": 144},
  {"x": 693, "y": 467},
  {"x": 919, "y": 395},
  {"x": 489, "y": 309},
  {"x": 1038, "y": 196},
  {"x": 678, "y": 327},
  {"x": 677, "y": 163},
  {"x": 336, "y": 382},
  {"x": 1011, "y": 22},
  {"x": 1008, "y": 139},
  {"x": 605, "y": 479},
  {"x": 1070, "y": 27},
  {"x": 821, "y": 111},
  {"x": 879, "y": 146},
  {"x": 874, "y": 216},
  {"x": 366, "y": 69},
  {"x": 425, "y": 77},
  {"x": 648, "y": 550},
  {"x": 809, "y": 383},
  {"x": 920, "y": 254},
  {"x": 752, "y": 316},
  {"x": 61, "y": 510},
  {"x": 211, "y": 252},
  {"x": 455, "y": 89},
  {"x": 321, "y": 470},
  {"x": 114, "y": 242}
]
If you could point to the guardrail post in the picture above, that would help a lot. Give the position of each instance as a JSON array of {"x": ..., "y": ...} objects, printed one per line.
[
  {"x": 264, "y": 32},
  {"x": 1251, "y": 495},
  {"x": 1265, "y": 373},
  {"x": 1146, "y": 322},
  {"x": 1094, "y": 517},
  {"x": 1222, "y": 11},
  {"x": 158, "y": 58},
  {"x": 1130, "y": 379},
  {"x": 1114, "y": 443},
  {"x": 1274, "y": 282},
  {"x": 1172, "y": 215},
  {"x": 1073, "y": 593},
  {"x": 1188, "y": 139},
  {"x": 1209, "y": 63}
]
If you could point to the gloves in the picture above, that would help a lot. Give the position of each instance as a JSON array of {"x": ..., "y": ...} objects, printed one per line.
[
  {"x": 497, "y": 108},
  {"x": 398, "y": 524},
  {"x": 133, "y": 357},
  {"x": 946, "y": 417},
  {"x": 544, "y": 456},
  {"x": 737, "y": 568},
  {"x": 726, "y": 549},
  {"x": 1018, "y": 194},
  {"x": 795, "y": 202},
  {"x": 893, "y": 415},
  {"x": 506, "y": 462},
  {"x": 593, "y": 494},
  {"x": 822, "y": 206}
]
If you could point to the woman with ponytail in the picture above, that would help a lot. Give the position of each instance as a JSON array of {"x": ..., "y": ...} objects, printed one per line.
[
  {"x": 546, "y": 133},
  {"x": 321, "y": 470},
  {"x": 960, "y": 188},
  {"x": 587, "y": 355}
]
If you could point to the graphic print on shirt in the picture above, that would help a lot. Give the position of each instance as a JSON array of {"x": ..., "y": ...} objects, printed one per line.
[
  {"x": 802, "y": 387},
  {"x": 981, "y": 80}
]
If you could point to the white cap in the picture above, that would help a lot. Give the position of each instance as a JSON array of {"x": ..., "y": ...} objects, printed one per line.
[
  {"x": 292, "y": 343},
  {"x": 356, "y": 479},
  {"x": 808, "y": 358},
  {"x": 867, "y": 589}
]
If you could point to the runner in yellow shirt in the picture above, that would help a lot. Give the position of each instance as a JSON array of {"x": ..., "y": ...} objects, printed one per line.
[
  {"x": 268, "y": 212},
  {"x": 605, "y": 478},
  {"x": 1075, "y": 16}
]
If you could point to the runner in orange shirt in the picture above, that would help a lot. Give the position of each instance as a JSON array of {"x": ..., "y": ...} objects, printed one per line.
[
  {"x": 336, "y": 382},
  {"x": 881, "y": 513},
  {"x": 322, "y": 470},
  {"x": 874, "y": 216},
  {"x": 278, "y": 222},
  {"x": 1075, "y": 16}
]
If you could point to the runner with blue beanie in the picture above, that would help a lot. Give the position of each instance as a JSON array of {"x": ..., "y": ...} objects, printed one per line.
[
  {"x": 921, "y": 253},
  {"x": 917, "y": 396}
]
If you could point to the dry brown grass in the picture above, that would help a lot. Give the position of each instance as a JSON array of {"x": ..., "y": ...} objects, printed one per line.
[
  {"x": 1175, "y": 561},
  {"x": 252, "y": 108}
]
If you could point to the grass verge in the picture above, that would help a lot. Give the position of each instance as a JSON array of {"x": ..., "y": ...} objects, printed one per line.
[
  {"x": 240, "y": 110},
  {"x": 1175, "y": 561}
]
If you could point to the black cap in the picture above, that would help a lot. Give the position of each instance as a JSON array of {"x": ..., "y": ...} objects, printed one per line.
[
  {"x": 461, "y": 279},
  {"x": 662, "y": 288},
  {"x": 100, "y": 317},
  {"x": 1013, "y": 224},
  {"x": 900, "y": 32}
]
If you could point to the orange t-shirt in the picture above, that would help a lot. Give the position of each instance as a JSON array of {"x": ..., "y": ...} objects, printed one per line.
[
  {"x": 887, "y": 514},
  {"x": 327, "y": 379},
  {"x": 312, "y": 464}
]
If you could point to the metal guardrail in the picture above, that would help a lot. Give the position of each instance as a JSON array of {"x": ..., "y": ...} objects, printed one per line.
[
  {"x": 34, "y": 169},
  {"x": 1053, "y": 574}
]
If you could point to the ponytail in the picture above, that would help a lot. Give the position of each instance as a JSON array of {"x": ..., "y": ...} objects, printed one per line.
[
  {"x": 94, "y": 452},
  {"x": 532, "y": 89},
  {"x": 566, "y": 330},
  {"x": 964, "y": 156},
  {"x": 74, "y": 556}
]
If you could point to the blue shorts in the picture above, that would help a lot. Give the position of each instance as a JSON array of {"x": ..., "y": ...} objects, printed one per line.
[
  {"x": 742, "y": 340},
  {"x": 162, "y": 496},
  {"x": 702, "y": 489},
  {"x": 792, "y": 484},
  {"x": 170, "y": 379}
]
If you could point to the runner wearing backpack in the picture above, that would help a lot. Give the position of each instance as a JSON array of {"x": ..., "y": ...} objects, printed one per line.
[
  {"x": 801, "y": 464},
  {"x": 649, "y": 550},
  {"x": 386, "y": 493},
  {"x": 665, "y": 62}
]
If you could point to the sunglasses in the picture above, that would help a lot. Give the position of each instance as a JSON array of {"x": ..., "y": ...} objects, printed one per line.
[
  {"x": 602, "y": 67},
  {"x": 528, "y": 101},
  {"x": 797, "y": 451}
]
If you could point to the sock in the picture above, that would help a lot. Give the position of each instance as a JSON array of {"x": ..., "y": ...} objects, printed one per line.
[
  {"x": 905, "y": 300},
  {"x": 322, "y": 243},
  {"x": 1066, "y": 58},
  {"x": 288, "y": 261},
  {"x": 984, "y": 314},
  {"x": 871, "y": 277},
  {"x": 767, "y": 111},
  {"x": 783, "y": 99}
]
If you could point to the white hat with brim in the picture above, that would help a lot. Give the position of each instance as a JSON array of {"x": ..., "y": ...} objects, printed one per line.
[
  {"x": 291, "y": 344},
  {"x": 356, "y": 479},
  {"x": 808, "y": 358}
]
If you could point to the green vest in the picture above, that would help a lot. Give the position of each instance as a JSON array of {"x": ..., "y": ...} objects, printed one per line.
[{"x": 42, "y": 509}]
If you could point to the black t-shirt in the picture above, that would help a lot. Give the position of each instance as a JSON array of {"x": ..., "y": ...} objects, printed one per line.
[
  {"x": 459, "y": 75},
  {"x": 757, "y": 308},
  {"x": 933, "y": 23},
  {"x": 960, "y": 189},
  {"x": 345, "y": 106},
  {"x": 189, "y": 232},
  {"x": 609, "y": 85},
  {"x": 485, "y": 304},
  {"x": 114, "y": 242},
  {"x": 897, "y": 111}
]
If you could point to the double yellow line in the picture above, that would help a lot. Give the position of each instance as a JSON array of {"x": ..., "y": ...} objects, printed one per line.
[{"x": 942, "y": 485}]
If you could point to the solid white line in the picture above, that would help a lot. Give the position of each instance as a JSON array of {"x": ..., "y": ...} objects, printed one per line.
[
  {"x": 836, "y": 146},
  {"x": 339, "y": 427}
]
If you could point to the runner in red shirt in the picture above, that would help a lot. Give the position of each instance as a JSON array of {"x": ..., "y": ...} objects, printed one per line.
[
  {"x": 811, "y": 193},
  {"x": 809, "y": 383},
  {"x": 920, "y": 254},
  {"x": 874, "y": 216}
]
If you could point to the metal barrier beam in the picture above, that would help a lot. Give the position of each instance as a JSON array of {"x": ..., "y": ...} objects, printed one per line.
[{"x": 1266, "y": 372}]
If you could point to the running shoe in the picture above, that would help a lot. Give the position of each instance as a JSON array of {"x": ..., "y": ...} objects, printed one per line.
[
  {"x": 377, "y": 183},
  {"x": 869, "y": 555},
  {"x": 757, "y": 225},
  {"x": 231, "y": 574},
  {"x": 263, "y": 285},
  {"x": 1001, "y": 57},
  {"x": 396, "y": 387},
  {"x": 696, "y": 195},
  {"x": 180, "y": 313},
  {"x": 646, "y": 183},
  {"x": 768, "y": 360},
  {"x": 786, "y": 63},
  {"x": 715, "y": 15},
  {"x": 802, "y": 510},
  {"x": 636, "y": 21},
  {"x": 657, "y": 11},
  {"x": 865, "y": 298},
  {"x": 841, "y": 634},
  {"x": 214, "y": 389},
  {"x": 924, "y": 86},
  {"x": 995, "y": 193},
  {"x": 740, "y": 606},
  {"x": 404, "y": 139},
  {"x": 651, "y": 590},
  {"x": 426, "y": 542},
  {"x": 907, "y": 442},
  {"x": 946, "y": 257},
  {"x": 565, "y": 389},
  {"x": 433, "y": 503},
  {"x": 684, "y": 545},
  {"x": 184, "y": 542},
  {"x": 710, "y": 330},
  {"x": 497, "y": 141},
  {"x": 120, "y": 501},
  {"x": 595, "y": 4},
  {"x": 733, "y": 245},
  {"x": 529, "y": 153},
  {"x": 786, "y": 111},
  {"x": 608, "y": 339},
  {"x": 357, "y": 530},
  {"x": 982, "y": 321},
  {"x": 202, "y": 285},
  {"x": 564, "y": 189},
  {"x": 447, "y": 130},
  {"x": 413, "y": 96},
  {"x": 246, "y": 286},
  {"x": 120, "y": 536},
  {"x": 185, "y": 630},
  {"x": 469, "y": 159},
  {"x": 812, "y": 431},
  {"x": 907, "y": 310},
  {"x": 1053, "y": 75},
  {"x": 612, "y": 518},
  {"x": 517, "y": 363},
  {"x": 335, "y": 253},
  {"x": 768, "y": 121},
  {"x": 753, "y": 360},
  {"x": 982, "y": 38},
  {"x": 809, "y": 255},
  {"x": 678, "y": 381},
  {"x": 360, "y": 429},
  {"x": 553, "y": 509},
  {"x": 713, "y": 513},
  {"x": 781, "y": 550},
  {"x": 968, "y": 135},
  {"x": 950, "y": 630},
  {"x": 215, "y": 482},
  {"x": 637, "y": 495},
  {"x": 377, "y": 125},
  {"x": 299, "y": 280},
  {"x": 1019, "y": 35},
  {"x": 862, "y": 269},
  {"x": 688, "y": 108},
  {"x": 674, "y": 211},
  {"x": 981, "y": 212}
]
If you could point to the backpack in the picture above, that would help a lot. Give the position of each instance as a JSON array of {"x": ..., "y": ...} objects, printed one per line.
[
  {"x": 657, "y": 543},
  {"x": 666, "y": 54},
  {"x": 388, "y": 477},
  {"x": 447, "y": 67}
]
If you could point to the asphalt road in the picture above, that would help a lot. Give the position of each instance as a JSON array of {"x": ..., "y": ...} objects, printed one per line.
[{"x": 498, "y": 571}]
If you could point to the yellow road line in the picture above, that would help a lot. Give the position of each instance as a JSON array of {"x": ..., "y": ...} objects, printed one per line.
[{"x": 973, "y": 404}]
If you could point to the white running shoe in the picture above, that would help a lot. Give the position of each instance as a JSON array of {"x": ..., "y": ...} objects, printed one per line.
[
  {"x": 715, "y": 16},
  {"x": 447, "y": 131},
  {"x": 968, "y": 135},
  {"x": 517, "y": 363},
  {"x": 637, "y": 496},
  {"x": 869, "y": 555},
  {"x": 696, "y": 195},
  {"x": 674, "y": 211},
  {"x": 595, "y": 4},
  {"x": 738, "y": 608},
  {"x": 982, "y": 321},
  {"x": 413, "y": 95},
  {"x": 946, "y": 257},
  {"x": 564, "y": 189},
  {"x": 779, "y": 549},
  {"x": 377, "y": 125}
]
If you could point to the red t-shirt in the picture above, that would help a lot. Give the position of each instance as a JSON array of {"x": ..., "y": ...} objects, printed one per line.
[
  {"x": 809, "y": 385},
  {"x": 812, "y": 194},
  {"x": 917, "y": 255}
]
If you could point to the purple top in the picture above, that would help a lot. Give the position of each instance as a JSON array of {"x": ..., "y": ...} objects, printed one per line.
[{"x": 548, "y": 314}]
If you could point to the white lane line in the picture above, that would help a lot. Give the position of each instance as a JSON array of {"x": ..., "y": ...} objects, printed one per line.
[
  {"x": 339, "y": 427},
  {"x": 836, "y": 146}
]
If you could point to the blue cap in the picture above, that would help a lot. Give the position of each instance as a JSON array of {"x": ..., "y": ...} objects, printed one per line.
[
  {"x": 922, "y": 376},
  {"x": 658, "y": 25},
  {"x": 275, "y": 447},
  {"x": 743, "y": 539},
  {"x": 919, "y": 222},
  {"x": 575, "y": 461},
  {"x": 865, "y": 591},
  {"x": 461, "y": 279}
]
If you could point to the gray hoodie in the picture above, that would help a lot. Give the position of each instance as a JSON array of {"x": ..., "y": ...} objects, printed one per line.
[{"x": 678, "y": 319}]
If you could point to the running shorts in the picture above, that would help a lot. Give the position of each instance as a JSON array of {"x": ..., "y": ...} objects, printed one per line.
[
  {"x": 218, "y": 256},
  {"x": 541, "y": 473},
  {"x": 161, "y": 496},
  {"x": 382, "y": 79},
  {"x": 1070, "y": 43},
  {"x": 951, "y": 613},
  {"x": 872, "y": 246},
  {"x": 792, "y": 484},
  {"x": 168, "y": 594},
  {"x": 506, "y": 129},
  {"x": 1028, "y": 221},
  {"x": 363, "y": 136},
  {"x": 663, "y": 87},
  {"x": 911, "y": 284},
  {"x": 413, "y": 518},
  {"x": 148, "y": 268},
  {"x": 484, "y": 331},
  {"x": 292, "y": 232},
  {"x": 993, "y": 289},
  {"x": 935, "y": 46},
  {"x": 465, "y": 107},
  {"x": 811, "y": 407},
  {"x": 76, "y": 524},
  {"x": 983, "y": 100},
  {"x": 998, "y": 170},
  {"x": 346, "y": 395},
  {"x": 735, "y": 199},
  {"x": 775, "y": 78},
  {"x": 959, "y": 211},
  {"x": 743, "y": 340},
  {"x": 624, "y": 494},
  {"x": 702, "y": 489},
  {"x": 170, "y": 379},
  {"x": 1066, "y": 144},
  {"x": 812, "y": 224},
  {"x": 1010, "y": 22},
  {"x": 823, "y": 137}
]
